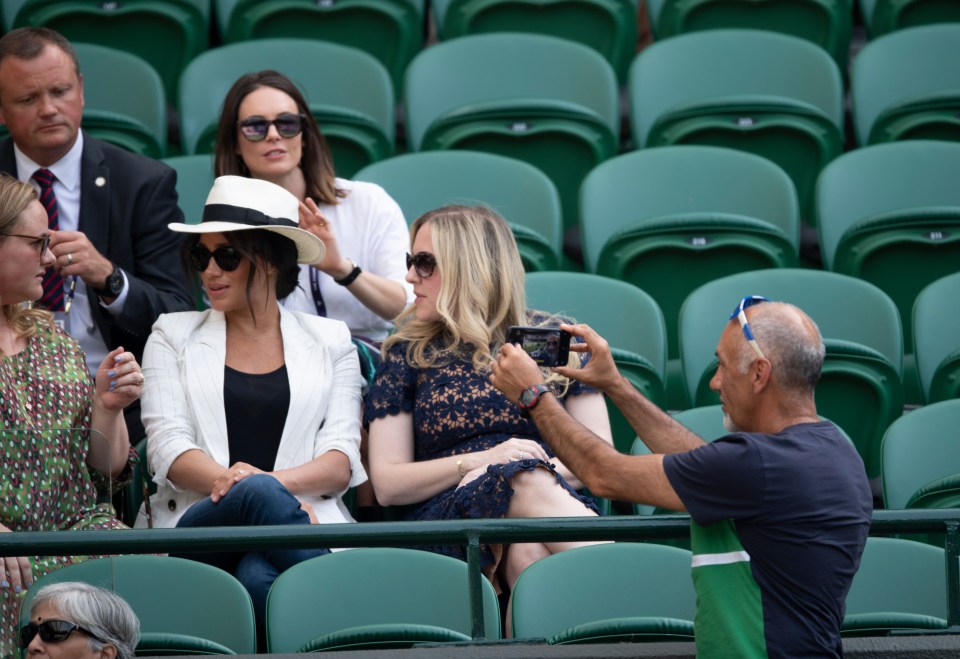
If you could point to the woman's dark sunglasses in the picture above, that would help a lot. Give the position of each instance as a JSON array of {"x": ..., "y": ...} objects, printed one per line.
[
  {"x": 423, "y": 262},
  {"x": 255, "y": 129},
  {"x": 51, "y": 631},
  {"x": 226, "y": 257}
]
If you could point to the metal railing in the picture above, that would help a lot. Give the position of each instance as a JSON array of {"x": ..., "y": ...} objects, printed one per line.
[{"x": 470, "y": 533}]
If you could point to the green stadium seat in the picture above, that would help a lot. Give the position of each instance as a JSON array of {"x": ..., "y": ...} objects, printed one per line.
[
  {"x": 606, "y": 593},
  {"x": 391, "y": 31},
  {"x": 936, "y": 339},
  {"x": 773, "y": 95},
  {"x": 860, "y": 389},
  {"x": 194, "y": 180},
  {"x": 184, "y": 607},
  {"x": 629, "y": 320},
  {"x": 385, "y": 598},
  {"x": 827, "y": 23},
  {"x": 350, "y": 95},
  {"x": 607, "y": 26},
  {"x": 547, "y": 101},
  {"x": 906, "y": 86},
  {"x": 520, "y": 192},
  {"x": 883, "y": 16}
]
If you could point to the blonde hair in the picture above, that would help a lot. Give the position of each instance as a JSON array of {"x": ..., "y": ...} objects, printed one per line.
[
  {"x": 481, "y": 290},
  {"x": 15, "y": 196}
]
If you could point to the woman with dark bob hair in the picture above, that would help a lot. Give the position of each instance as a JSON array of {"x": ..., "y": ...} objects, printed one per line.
[
  {"x": 267, "y": 132},
  {"x": 252, "y": 416}
]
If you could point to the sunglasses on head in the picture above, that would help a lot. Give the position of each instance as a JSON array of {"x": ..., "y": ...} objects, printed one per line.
[
  {"x": 423, "y": 262},
  {"x": 52, "y": 631},
  {"x": 227, "y": 258},
  {"x": 739, "y": 314},
  {"x": 42, "y": 242},
  {"x": 255, "y": 129}
]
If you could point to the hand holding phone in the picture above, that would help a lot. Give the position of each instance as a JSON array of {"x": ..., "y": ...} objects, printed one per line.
[{"x": 548, "y": 346}]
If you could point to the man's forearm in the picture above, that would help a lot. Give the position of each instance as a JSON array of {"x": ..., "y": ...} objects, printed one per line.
[{"x": 658, "y": 430}]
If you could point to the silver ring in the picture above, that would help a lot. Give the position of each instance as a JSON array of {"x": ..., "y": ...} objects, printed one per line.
[
  {"x": 69, "y": 259},
  {"x": 522, "y": 453},
  {"x": 240, "y": 471},
  {"x": 142, "y": 380}
]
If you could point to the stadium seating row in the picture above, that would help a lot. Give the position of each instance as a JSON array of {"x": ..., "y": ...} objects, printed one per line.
[{"x": 384, "y": 598}]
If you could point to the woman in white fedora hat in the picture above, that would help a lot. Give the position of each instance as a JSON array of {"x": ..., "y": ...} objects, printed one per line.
[{"x": 251, "y": 411}]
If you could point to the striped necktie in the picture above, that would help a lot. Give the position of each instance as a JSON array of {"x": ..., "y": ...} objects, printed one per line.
[{"x": 52, "y": 281}]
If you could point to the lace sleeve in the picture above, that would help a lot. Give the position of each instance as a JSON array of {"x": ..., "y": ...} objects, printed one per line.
[{"x": 393, "y": 388}]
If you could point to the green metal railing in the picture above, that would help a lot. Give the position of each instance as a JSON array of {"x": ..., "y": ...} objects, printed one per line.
[{"x": 470, "y": 533}]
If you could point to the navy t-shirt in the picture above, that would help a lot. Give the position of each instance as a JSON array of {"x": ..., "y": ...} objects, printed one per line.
[{"x": 801, "y": 505}]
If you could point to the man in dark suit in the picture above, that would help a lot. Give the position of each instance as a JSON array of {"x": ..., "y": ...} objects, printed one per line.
[{"x": 109, "y": 208}]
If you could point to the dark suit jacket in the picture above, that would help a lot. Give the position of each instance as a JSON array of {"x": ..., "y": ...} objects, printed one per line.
[{"x": 126, "y": 220}]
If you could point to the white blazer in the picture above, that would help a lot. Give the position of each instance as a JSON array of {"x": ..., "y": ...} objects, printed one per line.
[{"x": 183, "y": 408}]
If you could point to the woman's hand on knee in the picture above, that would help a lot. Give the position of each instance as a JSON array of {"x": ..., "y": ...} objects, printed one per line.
[{"x": 230, "y": 477}]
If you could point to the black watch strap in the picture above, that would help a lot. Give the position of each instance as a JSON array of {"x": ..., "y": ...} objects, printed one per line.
[
  {"x": 349, "y": 279},
  {"x": 530, "y": 396},
  {"x": 113, "y": 285}
]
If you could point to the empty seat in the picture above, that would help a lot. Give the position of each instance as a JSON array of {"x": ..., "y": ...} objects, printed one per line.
[
  {"x": 384, "y": 598},
  {"x": 906, "y": 86},
  {"x": 882, "y": 16},
  {"x": 520, "y": 192},
  {"x": 774, "y": 95},
  {"x": 547, "y": 101},
  {"x": 350, "y": 95},
  {"x": 607, "y": 26},
  {"x": 936, "y": 339}
]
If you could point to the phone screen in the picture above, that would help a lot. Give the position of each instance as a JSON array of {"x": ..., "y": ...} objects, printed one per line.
[{"x": 548, "y": 346}]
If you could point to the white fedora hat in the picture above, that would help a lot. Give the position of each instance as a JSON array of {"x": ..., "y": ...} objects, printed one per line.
[{"x": 237, "y": 203}]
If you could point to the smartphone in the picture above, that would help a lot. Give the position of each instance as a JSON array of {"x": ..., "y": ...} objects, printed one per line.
[{"x": 548, "y": 346}]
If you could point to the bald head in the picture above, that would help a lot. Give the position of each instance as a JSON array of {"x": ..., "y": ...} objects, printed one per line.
[{"x": 792, "y": 343}]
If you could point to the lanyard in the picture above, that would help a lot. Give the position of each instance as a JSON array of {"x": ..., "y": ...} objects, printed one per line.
[{"x": 317, "y": 295}]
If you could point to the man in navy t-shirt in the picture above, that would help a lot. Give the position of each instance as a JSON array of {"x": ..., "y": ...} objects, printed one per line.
[{"x": 781, "y": 507}]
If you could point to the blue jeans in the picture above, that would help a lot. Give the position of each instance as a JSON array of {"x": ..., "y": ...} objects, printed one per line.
[{"x": 258, "y": 500}]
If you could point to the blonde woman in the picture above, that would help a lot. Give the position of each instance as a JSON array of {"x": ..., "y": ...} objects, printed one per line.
[
  {"x": 441, "y": 437},
  {"x": 46, "y": 393}
]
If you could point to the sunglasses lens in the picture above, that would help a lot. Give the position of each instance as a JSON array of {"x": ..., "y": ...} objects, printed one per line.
[
  {"x": 51, "y": 631},
  {"x": 288, "y": 125},
  {"x": 254, "y": 129},
  {"x": 423, "y": 263},
  {"x": 227, "y": 258},
  {"x": 200, "y": 258}
]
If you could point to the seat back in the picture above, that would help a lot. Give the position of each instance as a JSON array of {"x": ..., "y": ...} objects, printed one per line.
[
  {"x": 825, "y": 23},
  {"x": 391, "y": 31},
  {"x": 520, "y": 192},
  {"x": 771, "y": 94},
  {"x": 906, "y": 85},
  {"x": 399, "y": 588},
  {"x": 860, "y": 388},
  {"x": 163, "y": 592},
  {"x": 135, "y": 120},
  {"x": 901, "y": 584},
  {"x": 883, "y": 16},
  {"x": 936, "y": 339},
  {"x": 167, "y": 34},
  {"x": 890, "y": 214},
  {"x": 625, "y": 316},
  {"x": 919, "y": 448},
  {"x": 547, "y": 101},
  {"x": 350, "y": 95},
  {"x": 695, "y": 212},
  {"x": 607, "y": 592},
  {"x": 607, "y": 26},
  {"x": 194, "y": 181}
]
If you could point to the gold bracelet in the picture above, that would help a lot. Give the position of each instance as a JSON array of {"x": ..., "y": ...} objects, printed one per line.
[{"x": 460, "y": 467}]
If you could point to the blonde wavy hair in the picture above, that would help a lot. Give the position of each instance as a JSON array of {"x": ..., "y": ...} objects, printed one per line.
[
  {"x": 481, "y": 290},
  {"x": 15, "y": 196}
]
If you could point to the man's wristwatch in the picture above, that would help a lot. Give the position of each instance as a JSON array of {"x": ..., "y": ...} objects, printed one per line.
[
  {"x": 113, "y": 286},
  {"x": 530, "y": 396}
]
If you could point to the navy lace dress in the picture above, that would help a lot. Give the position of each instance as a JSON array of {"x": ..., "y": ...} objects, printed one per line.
[{"x": 455, "y": 411}]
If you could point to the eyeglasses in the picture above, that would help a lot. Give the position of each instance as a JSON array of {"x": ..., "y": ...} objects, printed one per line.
[
  {"x": 739, "y": 314},
  {"x": 52, "y": 631},
  {"x": 226, "y": 257},
  {"x": 424, "y": 263},
  {"x": 42, "y": 241},
  {"x": 255, "y": 129}
]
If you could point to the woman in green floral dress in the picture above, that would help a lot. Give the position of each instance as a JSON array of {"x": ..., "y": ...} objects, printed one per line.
[{"x": 62, "y": 436}]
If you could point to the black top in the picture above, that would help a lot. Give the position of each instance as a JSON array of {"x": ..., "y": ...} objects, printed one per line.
[{"x": 256, "y": 407}]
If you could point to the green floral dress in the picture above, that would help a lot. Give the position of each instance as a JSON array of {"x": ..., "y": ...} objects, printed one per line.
[{"x": 45, "y": 484}]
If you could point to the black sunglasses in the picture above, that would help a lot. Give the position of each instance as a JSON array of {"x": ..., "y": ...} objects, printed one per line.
[
  {"x": 43, "y": 241},
  {"x": 424, "y": 263},
  {"x": 226, "y": 257},
  {"x": 52, "y": 631},
  {"x": 255, "y": 129}
]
